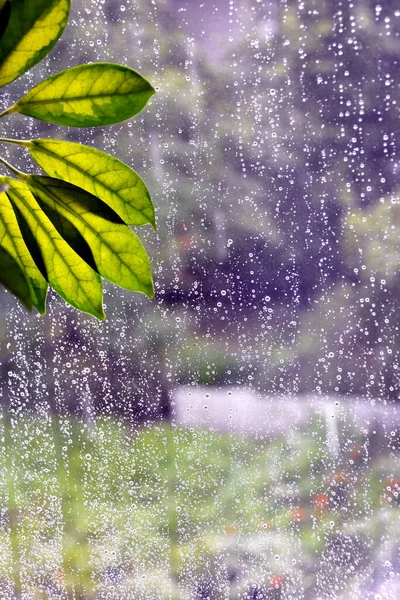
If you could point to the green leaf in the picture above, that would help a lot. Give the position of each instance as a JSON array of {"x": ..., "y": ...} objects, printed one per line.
[
  {"x": 11, "y": 240},
  {"x": 13, "y": 278},
  {"x": 5, "y": 12},
  {"x": 95, "y": 232},
  {"x": 87, "y": 96},
  {"x": 33, "y": 29},
  {"x": 99, "y": 174},
  {"x": 63, "y": 268}
]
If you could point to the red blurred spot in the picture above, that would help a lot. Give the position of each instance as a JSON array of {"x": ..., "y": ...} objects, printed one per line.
[
  {"x": 266, "y": 524},
  {"x": 230, "y": 529},
  {"x": 321, "y": 502},
  {"x": 297, "y": 515},
  {"x": 357, "y": 452},
  {"x": 394, "y": 485},
  {"x": 340, "y": 478},
  {"x": 276, "y": 581}
]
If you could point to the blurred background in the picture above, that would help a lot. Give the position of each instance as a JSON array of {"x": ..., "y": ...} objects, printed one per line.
[{"x": 272, "y": 154}]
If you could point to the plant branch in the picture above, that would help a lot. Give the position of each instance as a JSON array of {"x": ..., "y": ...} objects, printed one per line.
[
  {"x": 14, "y": 170},
  {"x": 17, "y": 142},
  {"x": 8, "y": 111}
]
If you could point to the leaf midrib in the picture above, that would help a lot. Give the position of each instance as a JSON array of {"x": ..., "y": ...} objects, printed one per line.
[{"x": 79, "y": 98}]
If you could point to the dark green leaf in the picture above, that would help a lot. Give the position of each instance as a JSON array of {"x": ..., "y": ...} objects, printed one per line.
[
  {"x": 66, "y": 272},
  {"x": 33, "y": 28},
  {"x": 5, "y": 12},
  {"x": 95, "y": 232},
  {"x": 87, "y": 96},
  {"x": 13, "y": 278},
  {"x": 99, "y": 174}
]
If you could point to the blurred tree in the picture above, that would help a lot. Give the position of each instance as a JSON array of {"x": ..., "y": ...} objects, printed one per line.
[{"x": 278, "y": 122}]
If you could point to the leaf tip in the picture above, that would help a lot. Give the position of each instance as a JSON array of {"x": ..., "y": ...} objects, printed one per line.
[{"x": 150, "y": 292}]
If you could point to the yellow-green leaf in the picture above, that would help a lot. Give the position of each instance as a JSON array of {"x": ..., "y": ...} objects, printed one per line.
[
  {"x": 62, "y": 267},
  {"x": 13, "y": 278},
  {"x": 99, "y": 174},
  {"x": 33, "y": 28},
  {"x": 95, "y": 232},
  {"x": 12, "y": 241},
  {"x": 87, "y": 96}
]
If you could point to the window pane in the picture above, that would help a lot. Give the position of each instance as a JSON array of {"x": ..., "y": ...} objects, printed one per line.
[{"x": 237, "y": 437}]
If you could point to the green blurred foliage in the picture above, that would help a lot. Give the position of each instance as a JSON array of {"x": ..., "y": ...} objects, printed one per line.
[
  {"x": 106, "y": 505},
  {"x": 264, "y": 158}
]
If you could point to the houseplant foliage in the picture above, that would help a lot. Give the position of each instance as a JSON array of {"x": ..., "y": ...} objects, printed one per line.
[{"x": 70, "y": 228}]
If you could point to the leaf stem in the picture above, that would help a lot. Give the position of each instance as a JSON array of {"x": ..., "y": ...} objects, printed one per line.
[
  {"x": 8, "y": 111},
  {"x": 17, "y": 142},
  {"x": 14, "y": 170}
]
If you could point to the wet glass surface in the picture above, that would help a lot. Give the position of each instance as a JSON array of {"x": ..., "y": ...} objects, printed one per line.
[{"x": 238, "y": 436}]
